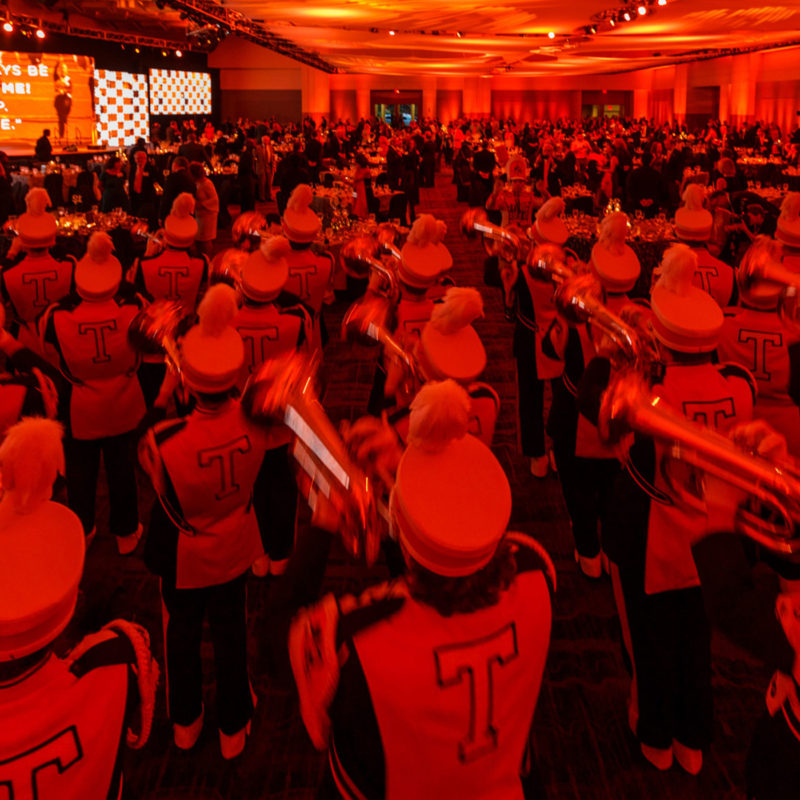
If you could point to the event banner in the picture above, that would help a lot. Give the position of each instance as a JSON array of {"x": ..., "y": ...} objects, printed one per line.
[
  {"x": 45, "y": 90},
  {"x": 120, "y": 105},
  {"x": 174, "y": 91}
]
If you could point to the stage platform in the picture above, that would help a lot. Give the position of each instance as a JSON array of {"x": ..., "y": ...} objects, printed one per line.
[{"x": 27, "y": 152}]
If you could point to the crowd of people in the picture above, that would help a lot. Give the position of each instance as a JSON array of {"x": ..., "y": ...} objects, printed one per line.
[{"x": 196, "y": 364}]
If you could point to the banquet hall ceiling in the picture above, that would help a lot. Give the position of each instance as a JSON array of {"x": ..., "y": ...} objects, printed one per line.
[{"x": 512, "y": 35}]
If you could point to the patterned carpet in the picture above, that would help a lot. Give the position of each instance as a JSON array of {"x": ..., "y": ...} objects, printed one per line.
[{"x": 583, "y": 746}]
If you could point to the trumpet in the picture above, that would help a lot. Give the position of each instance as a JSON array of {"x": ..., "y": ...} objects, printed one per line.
[
  {"x": 283, "y": 391},
  {"x": 506, "y": 243},
  {"x": 761, "y": 278},
  {"x": 769, "y": 511},
  {"x": 154, "y": 331}
]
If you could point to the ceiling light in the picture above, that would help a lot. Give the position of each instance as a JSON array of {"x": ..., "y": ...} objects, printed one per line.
[
  {"x": 551, "y": 35},
  {"x": 662, "y": 2},
  {"x": 592, "y": 29},
  {"x": 178, "y": 53},
  {"x": 136, "y": 50},
  {"x": 459, "y": 34},
  {"x": 612, "y": 22},
  {"x": 642, "y": 10},
  {"x": 8, "y": 27},
  {"x": 40, "y": 33},
  {"x": 627, "y": 16},
  {"x": 392, "y": 33},
  {"x": 164, "y": 53}
]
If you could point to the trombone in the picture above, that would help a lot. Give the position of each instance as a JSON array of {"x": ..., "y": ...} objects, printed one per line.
[{"x": 768, "y": 511}]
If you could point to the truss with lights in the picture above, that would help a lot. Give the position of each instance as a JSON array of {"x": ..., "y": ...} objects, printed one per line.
[{"x": 205, "y": 12}]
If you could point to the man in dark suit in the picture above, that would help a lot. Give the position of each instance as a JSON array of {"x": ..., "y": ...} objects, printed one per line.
[
  {"x": 645, "y": 190},
  {"x": 179, "y": 181},
  {"x": 43, "y": 147},
  {"x": 141, "y": 189}
]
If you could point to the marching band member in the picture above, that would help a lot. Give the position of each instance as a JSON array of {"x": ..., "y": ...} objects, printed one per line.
[
  {"x": 754, "y": 336},
  {"x": 450, "y": 348},
  {"x": 649, "y": 538},
  {"x": 103, "y": 404},
  {"x": 440, "y": 669},
  {"x": 272, "y": 322},
  {"x": 310, "y": 273},
  {"x": 171, "y": 273},
  {"x": 587, "y": 468},
  {"x": 693, "y": 225},
  {"x": 203, "y": 533},
  {"x": 38, "y": 279},
  {"x": 425, "y": 261},
  {"x": 535, "y": 315},
  {"x": 64, "y": 720},
  {"x": 788, "y": 231}
]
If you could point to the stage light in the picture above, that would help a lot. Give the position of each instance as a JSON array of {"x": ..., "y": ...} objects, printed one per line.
[
  {"x": 392, "y": 33},
  {"x": 164, "y": 53},
  {"x": 642, "y": 10},
  {"x": 612, "y": 22},
  {"x": 662, "y": 2},
  {"x": 179, "y": 53},
  {"x": 136, "y": 50},
  {"x": 459, "y": 34},
  {"x": 39, "y": 33},
  {"x": 627, "y": 16},
  {"x": 592, "y": 29},
  {"x": 8, "y": 27},
  {"x": 551, "y": 35}
]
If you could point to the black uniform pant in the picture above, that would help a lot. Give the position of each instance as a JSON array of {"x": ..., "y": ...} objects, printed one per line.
[
  {"x": 83, "y": 465},
  {"x": 530, "y": 396},
  {"x": 670, "y": 640},
  {"x": 275, "y": 503},
  {"x": 184, "y": 611},
  {"x": 587, "y": 485}
]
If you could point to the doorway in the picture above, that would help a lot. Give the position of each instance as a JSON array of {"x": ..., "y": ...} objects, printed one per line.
[{"x": 397, "y": 108}]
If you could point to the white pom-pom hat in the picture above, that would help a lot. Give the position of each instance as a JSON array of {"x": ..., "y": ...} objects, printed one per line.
[
  {"x": 266, "y": 270},
  {"x": 424, "y": 258},
  {"x": 451, "y": 501},
  {"x": 693, "y": 222},
  {"x": 615, "y": 263},
  {"x": 788, "y": 230},
  {"x": 180, "y": 226},
  {"x": 449, "y": 346},
  {"x": 685, "y": 318},
  {"x": 300, "y": 223},
  {"x": 36, "y": 228},
  {"x": 42, "y": 543},
  {"x": 212, "y": 352},
  {"x": 98, "y": 274},
  {"x": 549, "y": 227}
]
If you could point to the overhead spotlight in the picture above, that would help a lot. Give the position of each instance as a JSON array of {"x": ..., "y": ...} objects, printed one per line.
[
  {"x": 40, "y": 34},
  {"x": 164, "y": 53},
  {"x": 592, "y": 30},
  {"x": 459, "y": 34},
  {"x": 612, "y": 22},
  {"x": 662, "y": 2},
  {"x": 642, "y": 10},
  {"x": 627, "y": 16},
  {"x": 8, "y": 27},
  {"x": 551, "y": 35},
  {"x": 392, "y": 33},
  {"x": 136, "y": 50},
  {"x": 179, "y": 53}
]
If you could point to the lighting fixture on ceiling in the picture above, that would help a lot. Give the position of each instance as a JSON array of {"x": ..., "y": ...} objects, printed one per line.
[
  {"x": 626, "y": 16},
  {"x": 612, "y": 22},
  {"x": 551, "y": 35},
  {"x": 8, "y": 27},
  {"x": 662, "y": 2},
  {"x": 40, "y": 34},
  {"x": 642, "y": 10},
  {"x": 136, "y": 50},
  {"x": 459, "y": 34},
  {"x": 164, "y": 53},
  {"x": 392, "y": 33},
  {"x": 179, "y": 53}
]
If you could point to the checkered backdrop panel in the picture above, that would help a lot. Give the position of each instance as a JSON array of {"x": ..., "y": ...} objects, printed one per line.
[
  {"x": 174, "y": 91},
  {"x": 120, "y": 107}
]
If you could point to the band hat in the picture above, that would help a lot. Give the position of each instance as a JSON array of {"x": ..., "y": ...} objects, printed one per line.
[
  {"x": 549, "y": 227},
  {"x": 451, "y": 501},
  {"x": 36, "y": 228},
  {"x": 266, "y": 270},
  {"x": 180, "y": 227},
  {"x": 449, "y": 346},
  {"x": 788, "y": 230},
  {"x": 615, "y": 263},
  {"x": 98, "y": 274},
  {"x": 300, "y": 223},
  {"x": 761, "y": 294},
  {"x": 212, "y": 352},
  {"x": 42, "y": 542},
  {"x": 685, "y": 318},
  {"x": 424, "y": 259},
  {"x": 693, "y": 222}
]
